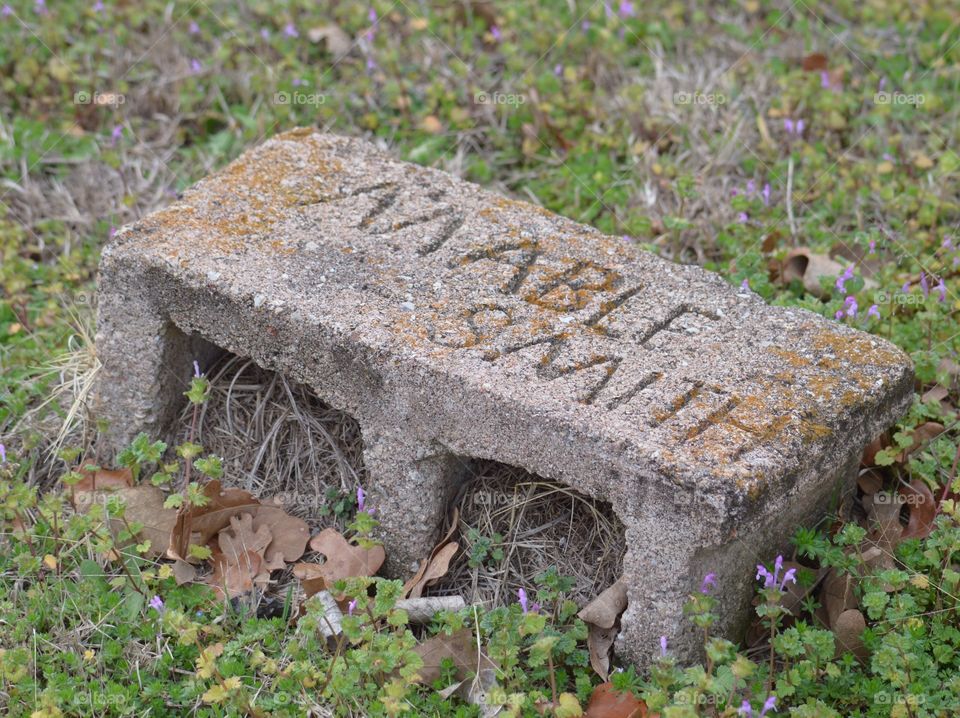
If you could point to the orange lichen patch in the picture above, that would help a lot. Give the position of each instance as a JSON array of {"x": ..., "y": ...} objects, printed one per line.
[
  {"x": 237, "y": 208},
  {"x": 791, "y": 358},
  {"x": 857, "y": 349}
]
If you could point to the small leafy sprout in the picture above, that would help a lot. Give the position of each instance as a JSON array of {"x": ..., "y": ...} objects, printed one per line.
[{"x": 199, "y": 385}]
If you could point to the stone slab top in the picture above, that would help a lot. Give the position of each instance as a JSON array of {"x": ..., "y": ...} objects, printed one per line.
[{"x": 689, "y": 376}]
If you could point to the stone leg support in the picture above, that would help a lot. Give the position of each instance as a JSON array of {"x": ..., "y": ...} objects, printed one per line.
[{"x": 409, "y": 487}]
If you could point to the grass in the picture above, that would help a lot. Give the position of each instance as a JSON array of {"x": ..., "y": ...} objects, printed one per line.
[{"x": 662, "y": 122}]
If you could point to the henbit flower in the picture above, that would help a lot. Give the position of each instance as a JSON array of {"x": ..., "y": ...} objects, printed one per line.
[
  {"x": 372, "y": 15},
  {"x": 874, "y": 311},
  {"x": 766, "y": 194},
  {"x": 844, "y": 278},
  {"x": 825, "y": 79},
  {"x": 788, "y": 125},
  {"x": 663, "y": 646},
  {"x": 799, "y": 127},
  {"x": 743, "y": 218},
  {"x": 116, "y": 134},
  {"x": 626, "y": 9},
  {"x": 196, "y": 369},
  {"x": 942, "y": 289},
  {"x": 789, "y": 577},
  {"x": 882, "y": 84},
  {"x": 873, "y": 246},
  {"x": 97, "y": 6},
  {"x": 156, "y": 603},
  {"x": 558, "y": 69},
  {"x": 6, "y": 11},
  {"x": 924, "y": 284},
  {"x": 351, "y": 607},
  {"x": 745, "y": 709},
  {"x": 195, "y": 66},
  {"x": 495, "y": 33},
  {"x": 535, "y": 607},
  {"x": 905, "y": 288},
  {"x": 585, "y": 25},
  {"x": 264, "y": 33},
  {"x": 768, "y": 705},
  {"x": 3, "y": 454},
  {"x": 771, "y": 580},
  {"x": 290, "y": 30},
  {"x": 850, "y": 304},
  {"x": 837, "y": 315},
  {"x": 947, "y": 243},
  {"x": 751, "y": 187},
  {"x": 709, "y": 581},
  {"x": 194, "y": 28},
  {"x": 745, "y": 285},
  {"x": 361, "y": 498},
  {"x": 522, "y": 596}
]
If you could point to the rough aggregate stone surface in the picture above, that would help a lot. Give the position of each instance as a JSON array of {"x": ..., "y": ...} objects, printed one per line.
[{"x": 454, "y": 323}]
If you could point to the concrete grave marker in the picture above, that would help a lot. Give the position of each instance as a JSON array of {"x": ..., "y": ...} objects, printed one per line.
[{"x": 453, "y": 323}]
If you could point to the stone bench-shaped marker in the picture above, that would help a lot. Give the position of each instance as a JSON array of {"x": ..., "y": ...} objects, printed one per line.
[{"x": 453, "y": 323}]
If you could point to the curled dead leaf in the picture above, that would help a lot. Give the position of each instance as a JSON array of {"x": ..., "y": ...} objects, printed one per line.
[
  {"x": 460, "y": 647},
  {"x": 343, "y": 560},
  {"x": 435, "y": 569},
  {"x": 848, "y": 629},
  {"x": 923, "y": 509},
  {"x": 144, "y": 506},
  {"x": 604, "y": 610},
  {"x": 338, "y": 42},
  {"x": 607, "y": 702}
]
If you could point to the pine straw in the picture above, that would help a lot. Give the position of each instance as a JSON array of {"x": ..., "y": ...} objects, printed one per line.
[
  {"x": 276, "y": 438},
  {"x": 543, "y": 524}
]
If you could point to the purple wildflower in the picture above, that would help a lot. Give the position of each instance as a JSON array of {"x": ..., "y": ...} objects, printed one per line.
[
  {"x": 535, "y": 607},
  {"x": 264, "y": 33},
  {"x": 116, "y": 134},
  {"x": 768, "y": 705},
  {"x": 905, "y": 288},
  {"x": 745, "y": 709},
  {"x": 744, "y": 285},
  {"x": 196, "y": 369},
  {"x": 942, "y": 289},
  {"x": 710, "y": 580},
  {"x": 97, "y": 7},
  {"x": 361, "y": 498},
  {"x": 496, "y": 34},
  {"x": 788, "y": 125},
  {"x": 734, "y": 192},
  {"x": 742, "y": 218},
  {"x": 290, "y": 31},
  {"x": 371, "y": 64},
  {"x": 585, "y": 25},
  {"x": 195, "y": 66},
  {"x": 156, "y": 603},
  {"x": 351, "y": 607},
  {"x": 874, "y": 311},
  {"x": 626, "y": 9},
  {"x": 882, "y": 84},
  {"x": 663, "y": 646},
  {"x": 766, "y": 194},
  {"x": 947, "y": 243},
  {"x": 751, "y": 187},
  {"x": 772, "y": 580},
  {"x": 844, "y": 278},
  {"x": 372, "y": 16},
  {"x": 799, "y": 127},
  {"x": 837, "y": 315},
  {"x": 40, "y": 6},
  {"x": 558, "y": 69},
  {"x": 924, "y": 284},
  {"x": 825, "y": 79},
  {"x": 522, "y": 596},
  {"x": 850, "y": 304},
  {"x": 194, "y": 29},
  {"x": 607, "y": 10},
  {"x": 873, "y": 246},
  {"x": 6, "y": 11},
  {"x": 3, "y": 454}
]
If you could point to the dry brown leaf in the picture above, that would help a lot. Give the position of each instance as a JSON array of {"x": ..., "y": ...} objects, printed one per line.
[
  {"x": 848, "y": 629},
  {"x": 460, "y": 647},
  {"x": 605, "y": 608},
  {"x": 103, "y": 479},
  {"x": 870, "y": 481},
  {"x": 607, "y": 702},
  {"x": 198, "y": 524},
  {"x": 869, "y": 457},
  {"x": 838, "y": 595},
  {"x": 343, "y": 560},
  {"x": 927, "y": 431},
  {"x": 437, "y": 568},
  {"x": 923, "y": 509},
  {"x": 232, "y": 578},
  {"x": 599, "y": 641},
  {"x": 809, "y": 267},
  {"x": 815, "y": 62},
  {"x": 242, "y": 537},
  {"x": 183, "y": 572},
  {"x": 338, "y": 42},
  {"x": 144, "y": 505}
]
